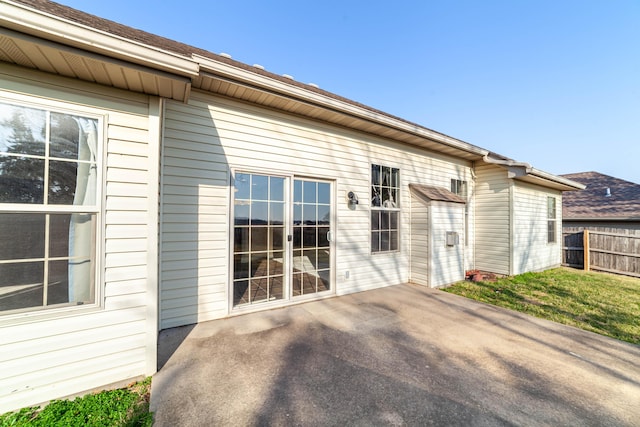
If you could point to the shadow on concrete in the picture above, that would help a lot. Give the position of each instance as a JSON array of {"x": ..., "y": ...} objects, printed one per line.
[
  {"x": 402, "y": 355},
  {"x": 169, "y": 340}
]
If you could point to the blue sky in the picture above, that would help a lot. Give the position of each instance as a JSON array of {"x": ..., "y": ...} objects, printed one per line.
[{"x": 552, "y": 83}]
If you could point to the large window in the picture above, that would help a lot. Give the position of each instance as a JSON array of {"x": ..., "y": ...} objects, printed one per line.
[
  {"x": 48, "y": 208},
  {"x": 385, "y": 193},
  {"x": 551, "y": 219}
]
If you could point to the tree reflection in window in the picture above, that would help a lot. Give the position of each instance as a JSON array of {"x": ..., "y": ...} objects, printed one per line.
[
  {"x": 385, "y": 192},
  {"x": 47, "y": 159}
]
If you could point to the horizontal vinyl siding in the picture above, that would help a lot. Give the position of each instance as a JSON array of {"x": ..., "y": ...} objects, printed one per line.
[
  {"x": 419, "y": 241},
  {"x": 447, "y": 262},
  {"x": 195, "y": 201},
  {"x": 209, "y": 136},
  {"x": 531, "y": 250},
  {"x": 58, "y": 355},
  {"x": 492, "y": 220}
]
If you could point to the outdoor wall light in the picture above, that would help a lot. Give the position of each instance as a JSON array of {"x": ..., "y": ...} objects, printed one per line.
[{"x": 352, "y": 198}]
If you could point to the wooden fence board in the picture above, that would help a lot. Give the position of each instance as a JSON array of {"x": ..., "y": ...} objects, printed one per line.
[{"x": 610, "y": 249}]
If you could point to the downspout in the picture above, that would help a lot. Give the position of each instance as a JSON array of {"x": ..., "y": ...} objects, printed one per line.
[
  {"x": 472, "y": 201},
  {"x": 512, "y": 228}
]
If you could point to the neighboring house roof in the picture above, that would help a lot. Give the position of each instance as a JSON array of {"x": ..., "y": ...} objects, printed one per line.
[
  {"x": 432, "y": 193},
  {"x": 605, "y": 198},
  {"x": 49, "y": 37}
]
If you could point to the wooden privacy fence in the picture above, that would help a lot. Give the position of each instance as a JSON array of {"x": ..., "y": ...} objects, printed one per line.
[{"x": 610, "y": 250}]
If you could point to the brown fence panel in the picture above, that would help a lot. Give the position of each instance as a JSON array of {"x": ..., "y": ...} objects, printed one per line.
[
  {"x": 573, "y": 251},
  {"x": 610, "y": 249}
]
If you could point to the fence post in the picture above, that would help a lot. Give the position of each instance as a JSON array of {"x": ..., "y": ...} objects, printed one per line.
[{"x": 585, "y": 244}]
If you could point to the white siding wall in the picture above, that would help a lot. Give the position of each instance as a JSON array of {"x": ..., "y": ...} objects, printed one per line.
[
  {"x": 492, "y": 219},
  {"x": 55, "y": 356},
  {"x": 419, "y": 258},
  {"x": 447, "y": 262},
  {"x": 531, "y": 252},
  {"x": 207, "y": 137}
]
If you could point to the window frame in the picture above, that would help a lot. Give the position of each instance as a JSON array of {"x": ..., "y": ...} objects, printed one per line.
[
  {"x": 552, "y": 220},
  {"x": 456, "y": 186},
  {"x": 96, "y": 210},
  {"x": 393, "y": 211}
]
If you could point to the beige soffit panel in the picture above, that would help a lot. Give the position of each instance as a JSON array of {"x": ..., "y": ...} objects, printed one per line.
[
  {"x": 48, "y": 56},
  {"x": 525, "y": 172},
  {"x": 221, "y": 71},
  {"x": 30, "y": 21}
]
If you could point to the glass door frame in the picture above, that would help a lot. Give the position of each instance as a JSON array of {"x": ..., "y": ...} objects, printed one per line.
[
  {"x": 300, "y": 251},
  {"x": 288, "y": 297}
]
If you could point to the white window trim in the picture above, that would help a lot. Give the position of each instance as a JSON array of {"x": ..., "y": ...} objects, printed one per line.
[
  {"x": 287, "y": 299},
  {"x": 466, "y": 206},
  {"x": 554, "y": 220},
  {"x": 42, "y": 313},
  {"x": 238, "y": 309},
  {"x": 398, "y": 207}
]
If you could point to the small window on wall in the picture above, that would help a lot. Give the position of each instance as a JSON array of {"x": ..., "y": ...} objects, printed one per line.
[
  {"x": 459, "y": 187},
  {"x": 385, "y": 193},
  {"x": 551, "y": 219},
  {"x": 49, "y": 207}
]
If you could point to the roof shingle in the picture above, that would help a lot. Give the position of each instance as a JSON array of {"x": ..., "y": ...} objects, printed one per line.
[
  {"x": 434, "y": 193},
  {"x": 594, "y": 203},
  {"x": 166, "y": 44}
]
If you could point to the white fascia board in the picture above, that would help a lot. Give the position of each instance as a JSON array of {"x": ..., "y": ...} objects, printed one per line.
[
  {"x": 558, "y": 179},
  {"x": 257, "y": 80},
  {"x": 522, "y": 170},
  {"x": 31, "y": 21}
]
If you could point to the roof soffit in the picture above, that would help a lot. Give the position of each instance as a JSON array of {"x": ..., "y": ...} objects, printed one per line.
[
  {"x": 225, "y": 79},
  {"x": 230, "y": 78},
  {"x": 48, "y": 56},
  {"x": 525, "y": 172},
  {"x": 28, "y": 20}
]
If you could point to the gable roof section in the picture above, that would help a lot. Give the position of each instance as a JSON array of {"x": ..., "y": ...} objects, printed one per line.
[
  {"x": 592, "y": 203},
  {"x": 48, "y": 36},
  {"x": 430, "y": 193}
]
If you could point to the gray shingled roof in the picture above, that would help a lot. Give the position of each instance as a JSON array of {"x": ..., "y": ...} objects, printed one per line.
[
  {"x": 593, "y": 202},
  {"x": 186, "y": 51},
  {"x": 163, "y": 43}
]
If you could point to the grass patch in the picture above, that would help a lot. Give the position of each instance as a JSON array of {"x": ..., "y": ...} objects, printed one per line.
[
  {"x": 123, "y": 407},
  {"x": 603, "y": 303}
]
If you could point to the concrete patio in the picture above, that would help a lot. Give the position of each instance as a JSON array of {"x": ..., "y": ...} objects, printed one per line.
[{"x": 402, "y": 355}]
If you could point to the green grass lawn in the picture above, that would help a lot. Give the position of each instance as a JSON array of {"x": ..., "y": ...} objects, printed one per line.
[
  {"x": 123, "y": 407},
  {"x": 599, "y": 302}
]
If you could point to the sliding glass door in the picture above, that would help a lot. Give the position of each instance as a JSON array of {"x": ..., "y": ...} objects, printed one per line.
[
  {"x": 311, "y": 237},
  {"x": 281, "y": 238}
]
